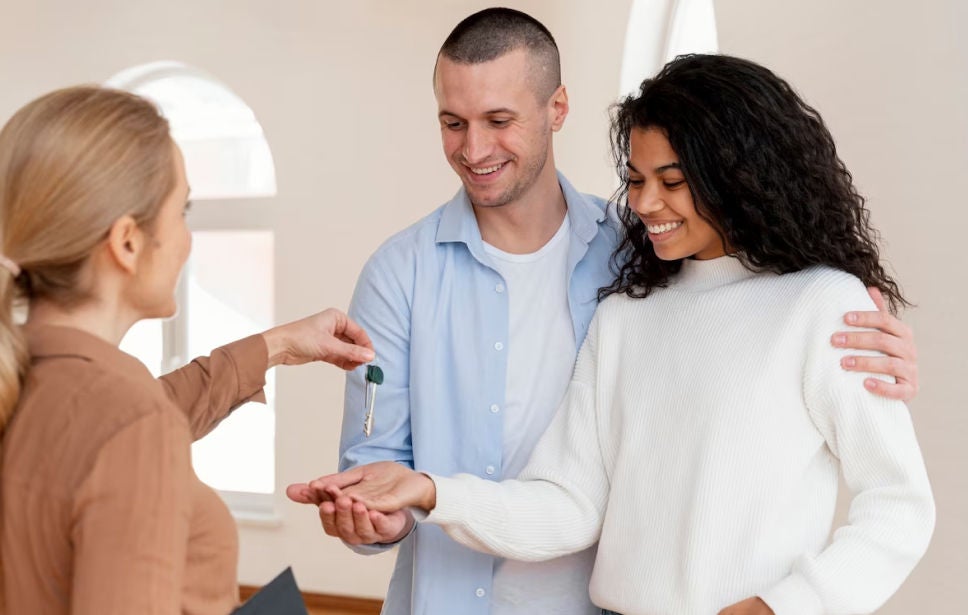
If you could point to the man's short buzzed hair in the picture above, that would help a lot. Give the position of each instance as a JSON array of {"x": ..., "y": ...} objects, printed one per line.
[{"x": 491, "y": 33}]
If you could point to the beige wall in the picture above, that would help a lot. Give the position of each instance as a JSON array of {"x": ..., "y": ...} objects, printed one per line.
[
  {"x": 343, "y": 92},
  {"x": 891, "y": 80}
]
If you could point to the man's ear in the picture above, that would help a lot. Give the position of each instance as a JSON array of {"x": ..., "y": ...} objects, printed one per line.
[
  {"x": 125, "y": 243},
  {"x": 558, "y": 107}
]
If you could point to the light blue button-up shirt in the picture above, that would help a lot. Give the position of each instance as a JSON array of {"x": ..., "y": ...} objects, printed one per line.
[{"x": 437, "y": 313}]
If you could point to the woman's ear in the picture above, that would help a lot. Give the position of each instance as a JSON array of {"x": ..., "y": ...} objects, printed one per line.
[{"x": 125, "y": 243}]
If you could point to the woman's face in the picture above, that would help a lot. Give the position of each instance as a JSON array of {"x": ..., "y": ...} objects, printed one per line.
[
  {"x": 660, "y": 196},
  {"x": 168, "y": 245}
]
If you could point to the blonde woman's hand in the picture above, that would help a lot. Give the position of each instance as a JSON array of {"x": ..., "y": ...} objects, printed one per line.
[{"x": 329, "y": 336}]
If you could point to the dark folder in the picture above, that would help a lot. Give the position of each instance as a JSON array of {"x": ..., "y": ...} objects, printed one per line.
[{"x": 280, "y": 597}]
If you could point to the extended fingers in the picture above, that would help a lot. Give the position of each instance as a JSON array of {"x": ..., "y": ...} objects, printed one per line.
[
  {"x": 888, "y": 324},
  {"x": 900, "y": 370},
  {"x": 904, "y": 391},
  {"x": 888, "y": 344}
]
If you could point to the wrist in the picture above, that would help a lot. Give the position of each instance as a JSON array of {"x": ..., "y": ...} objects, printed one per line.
[
  {"x": 428, "y": 501},
  {"x": 407, "y": 528},
  {"x": 277, "y": 346}
]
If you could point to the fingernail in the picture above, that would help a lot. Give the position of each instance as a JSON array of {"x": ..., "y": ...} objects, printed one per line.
[
  {"x": 870, "y": 383},
  {"x": 840, "y": 339},
  {"x": 849, "y": 362},
  {"x": 851, "y": 317}
]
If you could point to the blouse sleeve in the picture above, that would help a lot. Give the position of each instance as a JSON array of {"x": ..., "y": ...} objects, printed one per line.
[
  {"x": 209, "y": 388},
  {"x": 130, "y": 526}
]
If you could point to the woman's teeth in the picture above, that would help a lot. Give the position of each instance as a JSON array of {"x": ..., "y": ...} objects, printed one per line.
[{"x": 657, "y": 229}]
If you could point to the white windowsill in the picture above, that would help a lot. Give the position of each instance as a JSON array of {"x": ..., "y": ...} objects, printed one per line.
[{"x": 252, "y": 509}]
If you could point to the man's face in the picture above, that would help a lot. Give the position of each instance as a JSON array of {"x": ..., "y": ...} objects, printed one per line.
[{"x": 495, "y": 132}]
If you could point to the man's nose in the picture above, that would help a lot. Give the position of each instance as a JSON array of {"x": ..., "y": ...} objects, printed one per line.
[{"x": 478, "y": 145}]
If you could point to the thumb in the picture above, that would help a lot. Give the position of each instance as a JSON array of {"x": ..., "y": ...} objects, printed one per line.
[{"x": 299, "y": 493}]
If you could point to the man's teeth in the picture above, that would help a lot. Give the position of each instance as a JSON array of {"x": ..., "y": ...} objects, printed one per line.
[
  {"x": 655, "y": 229},
  {"x": 487, "y": 170}
]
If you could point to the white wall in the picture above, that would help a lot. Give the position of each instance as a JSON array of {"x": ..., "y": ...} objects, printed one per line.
[{"x": 343, "y": 92}]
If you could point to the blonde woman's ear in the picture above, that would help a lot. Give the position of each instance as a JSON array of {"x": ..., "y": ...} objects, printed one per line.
[{"x": 125, "y": 243}]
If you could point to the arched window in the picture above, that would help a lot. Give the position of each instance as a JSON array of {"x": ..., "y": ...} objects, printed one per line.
[
  {"x": 659, "y": 30},
  {"x": 226, "y": 291},
  {"x": 225, "y": 151}
]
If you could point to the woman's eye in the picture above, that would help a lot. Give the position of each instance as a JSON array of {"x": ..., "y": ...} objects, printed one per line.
[{"x": 674, "y": 184}]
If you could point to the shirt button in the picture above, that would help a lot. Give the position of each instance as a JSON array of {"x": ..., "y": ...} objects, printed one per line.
[
  {"x": 489, "y": 470},
  {"x": 499, "y": 288},
  {"x": 480, "y": 592},
  {"x": 495, "y": 408},
  {"x": 499, "y": 346}
]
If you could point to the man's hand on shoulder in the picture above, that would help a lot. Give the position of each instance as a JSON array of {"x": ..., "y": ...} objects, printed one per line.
[{"x": 889, "y": 336}]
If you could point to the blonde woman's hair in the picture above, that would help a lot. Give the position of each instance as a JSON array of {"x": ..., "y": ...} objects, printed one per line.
[{"x": 71, "y": 163}]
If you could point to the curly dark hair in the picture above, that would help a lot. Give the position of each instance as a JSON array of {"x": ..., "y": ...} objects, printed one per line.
[{"x": 762, "y": 169}]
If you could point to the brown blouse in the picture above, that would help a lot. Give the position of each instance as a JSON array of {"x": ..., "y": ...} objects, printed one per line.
[{"x": 101, "y": 510}]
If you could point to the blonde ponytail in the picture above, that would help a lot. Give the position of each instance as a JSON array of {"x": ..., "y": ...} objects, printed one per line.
[
  {"x": 13, "y": 352},
  {"x": 71, "y": 163}
]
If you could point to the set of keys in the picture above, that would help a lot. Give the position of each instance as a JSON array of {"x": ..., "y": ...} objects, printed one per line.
[{"x": 374, "y": 377}]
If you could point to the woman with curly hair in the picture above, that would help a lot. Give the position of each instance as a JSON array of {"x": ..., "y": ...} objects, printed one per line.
[{"x": 709, "y": 472}]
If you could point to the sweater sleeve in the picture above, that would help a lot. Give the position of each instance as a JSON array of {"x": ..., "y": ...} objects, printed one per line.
[
  {"x": 209, "y": 388},
  {"x": 131, "y": 521},
  {"x": 891, "y": 516},
  {"x": 557, "y": 503}
]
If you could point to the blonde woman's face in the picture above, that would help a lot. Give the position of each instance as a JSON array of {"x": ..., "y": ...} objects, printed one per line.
[{"x": 169, "y": 246}]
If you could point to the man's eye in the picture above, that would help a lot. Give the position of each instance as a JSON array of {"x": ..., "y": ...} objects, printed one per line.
[{"x": 500, "y": 123}]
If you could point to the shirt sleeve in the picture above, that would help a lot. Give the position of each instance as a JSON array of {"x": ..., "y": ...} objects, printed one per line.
[
  {"x": 891, "y": 515},
  {"x": 381, "y": 305},
  {"x": 131, "y": 521},
  {"x": 209, "y": 388},
  {"x": 557, "y": 504}
]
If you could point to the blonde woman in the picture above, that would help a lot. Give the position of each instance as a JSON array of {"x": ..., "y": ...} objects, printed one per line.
[{"x": 101, "y": 510}]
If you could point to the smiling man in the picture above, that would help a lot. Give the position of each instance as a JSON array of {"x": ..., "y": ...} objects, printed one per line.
[{"x": 477, "y": 312}]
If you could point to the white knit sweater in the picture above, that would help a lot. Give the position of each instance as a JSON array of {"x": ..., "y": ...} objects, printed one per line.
[{"x": 700, "y": 442}]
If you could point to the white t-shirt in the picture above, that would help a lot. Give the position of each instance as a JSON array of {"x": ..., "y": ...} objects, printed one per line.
[{"x": 541, "y": 352}]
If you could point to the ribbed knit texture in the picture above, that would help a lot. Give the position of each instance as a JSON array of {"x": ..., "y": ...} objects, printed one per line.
[{"x": 701, "y": 440}]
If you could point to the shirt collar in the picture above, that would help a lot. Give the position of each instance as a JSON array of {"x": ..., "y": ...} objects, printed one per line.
[
  {"x": 48, "y": 341},
  {"x": 459, "y": 224}
]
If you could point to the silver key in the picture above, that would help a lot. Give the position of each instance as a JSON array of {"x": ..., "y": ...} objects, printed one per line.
[{"x": 374, "y": 377}]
